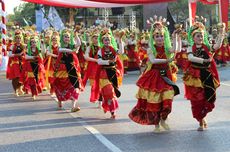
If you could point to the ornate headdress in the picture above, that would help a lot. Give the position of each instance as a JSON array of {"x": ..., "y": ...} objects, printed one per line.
[
  {"x": 69, "y": 33},
  {"x": 159, "y": 26},
  {"x": 198, "y": 27},
  {"x": 18, "y": 33},
  {"x": 106, "y": 33}
]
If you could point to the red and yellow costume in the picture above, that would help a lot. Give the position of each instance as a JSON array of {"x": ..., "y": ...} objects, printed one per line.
[
  {"x": 91, "y": 71},
  {"x": 34, "y": 72},
  {"x": 107, "y": 80},
  {"x": 201, "y": 82},
  {"x": 67, "y": 77},
  {"x": 154, "y": 95},
  {"x": 134, "y": 61}
]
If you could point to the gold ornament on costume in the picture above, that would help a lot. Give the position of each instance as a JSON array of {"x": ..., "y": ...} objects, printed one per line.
[
  {"x": 157, "y": 24},
  {"x": 66, "y": 32}
]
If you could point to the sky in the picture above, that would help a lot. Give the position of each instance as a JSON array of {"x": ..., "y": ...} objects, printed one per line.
[{"x": 11, "y": 4}]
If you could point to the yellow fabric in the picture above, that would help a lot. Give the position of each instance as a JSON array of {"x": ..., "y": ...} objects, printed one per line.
[
  {"x": 14, "y": 62},
  {"x": 91, "y": 82},
  {"x": 154, "y": 97},
  {"x": 119, "y": 81},
  {"x": 61, "y": 74},
  {"x": 103, "y": 82},
  {"x": 31, "y": 75},
  {"x": 189, "y": 80},
  {"x": 184, "y": 56}
]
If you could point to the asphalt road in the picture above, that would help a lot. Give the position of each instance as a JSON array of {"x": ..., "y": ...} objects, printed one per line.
[{"x": 37, "y": 126}]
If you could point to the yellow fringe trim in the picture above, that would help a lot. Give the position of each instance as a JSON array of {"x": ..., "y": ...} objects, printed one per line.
[{"x": 154, "y": 97}]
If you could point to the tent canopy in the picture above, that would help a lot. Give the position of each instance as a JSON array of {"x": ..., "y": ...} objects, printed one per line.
[{"x": 94, "y": 3}]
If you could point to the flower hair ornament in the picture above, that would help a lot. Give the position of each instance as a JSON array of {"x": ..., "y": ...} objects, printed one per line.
[{"x": 159, "y": 26}]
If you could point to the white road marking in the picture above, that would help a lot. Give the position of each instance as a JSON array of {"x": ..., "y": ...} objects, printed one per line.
[
  {"x": 96, "y": 133},
  {"x": 3, "y": 94},
  {"x": 225, "y": 84}
]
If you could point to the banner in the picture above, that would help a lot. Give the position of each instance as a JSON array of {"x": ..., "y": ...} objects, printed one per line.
[
  {"x": 39, "y": 19},
  {"x": 55, "y": 19}
]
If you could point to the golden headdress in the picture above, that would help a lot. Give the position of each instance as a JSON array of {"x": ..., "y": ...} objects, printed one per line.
[{"x": 157, "y": 24}]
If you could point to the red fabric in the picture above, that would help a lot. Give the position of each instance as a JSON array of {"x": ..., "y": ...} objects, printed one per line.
[
  {"x": 52, "y": 64},
  {"x": 150, "y": 113},
  {"x": 134, "y": 61},
  {"x": 64, "y": 90},
  {"x": 109, "y": 98},
  {"x": 146, "y": 113},
  {"x": 30, "y": 83},
  {"x": 133, "y": 1},
  {"x": 182, "y": 62},
  {"x": 13, "y": 69},
  {"x": 220, "y": 54},
  {"x": 78, "y": 3},
  {"x": 82, "y": 61},
  {"x": 100, "y": 73},
  {"x": 209, "y": 1},
  {"x": 150, "y": 79},
  {"x": 224, "y": 12},
  {"x": 200, "y": 108}
]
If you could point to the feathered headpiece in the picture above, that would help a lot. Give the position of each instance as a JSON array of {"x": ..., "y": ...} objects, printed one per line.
[
  {"x": 198, "y": 27},
  {"x": 159, "y": 26}
]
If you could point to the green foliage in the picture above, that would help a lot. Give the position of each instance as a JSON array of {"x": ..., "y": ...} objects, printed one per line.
[
  {"x": 23, "y": 11},
  {"x": 180, "y": 10}
]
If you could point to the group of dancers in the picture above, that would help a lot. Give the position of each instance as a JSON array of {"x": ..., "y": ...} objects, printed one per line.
[{"x": 64, "y": 61}]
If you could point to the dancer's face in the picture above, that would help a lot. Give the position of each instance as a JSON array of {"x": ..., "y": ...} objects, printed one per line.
[
  {"x": 94, "y": 40},
  {"x": 159, "y": 39},
  {"x": 54, "y": 41},
  {"x": 106, "y": 41},
  {"x": 67, "y": 38},
  {"x": 18, "y": 39},
  {"x": 33, "y": 43},
  {"x": 198, "y": 38}
]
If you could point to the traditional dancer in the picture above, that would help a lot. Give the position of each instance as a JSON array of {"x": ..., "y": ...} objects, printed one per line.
[
  {"x": 67, "y": 83},
  {"x": 14, "y": 68},
  {"x": 34, "y": 68},
  {"x": 109, "y": 71},
  {"x": 91, "y": 57},
  {"x": 52, "y": 53},
  {"x": 156, "y": 89},
  {"x": 201, "y": 78},
  {"x": 134, "y": 61}
]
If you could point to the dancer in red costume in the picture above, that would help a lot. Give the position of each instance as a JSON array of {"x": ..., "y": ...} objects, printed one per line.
[
  {"x": 67, "y": 82},
  {"x": 91, "y": 57},
  {"x": 52, "y": 53},
  {"x": 134, "y": 61},
  {"x": 156, "y": 89},
  {"x": 142, "y": 48},
  {"x": 108, "y": 72},
  {"x": 16, "y": 56},
  {"x": 201, "y": 78},
  {"x": 34, "y": 68}
]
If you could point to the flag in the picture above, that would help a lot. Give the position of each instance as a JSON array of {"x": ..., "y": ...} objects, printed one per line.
[{"x": 55, "y": 19}]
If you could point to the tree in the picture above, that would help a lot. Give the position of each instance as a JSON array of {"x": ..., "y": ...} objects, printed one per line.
[
  {"x": 181, "y": 11},
  {"x": 24, "y": 12}
]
